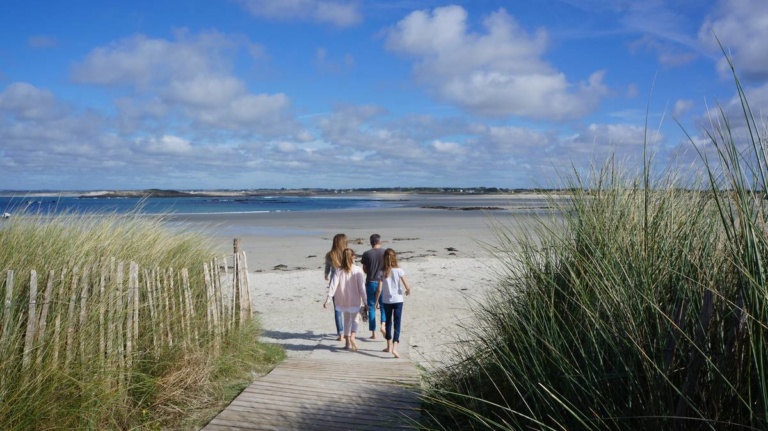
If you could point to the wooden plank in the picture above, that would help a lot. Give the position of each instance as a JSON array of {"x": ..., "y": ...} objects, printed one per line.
[
  {"x": 71, "y": 319},
  {"x": 148, "y": 285},
  {"x": 84, "y": 280},
  {"x": 103, "y": 303},
  {"x": 329, "y": 390},
  {"x": 31, "y": 321},
  {"x": 57, "y": 320},
  {"x": 133, "y": 280},
  {"x": 258, "y": 389},
  {"x": 5, "y": 337},
  {"x": 316, "y": 420},
  {"x": 43, "y": 319},
  {"x": 119, "y": 319},
  {"x": 350, "y": 420},
  {"x": 247, "y": 283}
]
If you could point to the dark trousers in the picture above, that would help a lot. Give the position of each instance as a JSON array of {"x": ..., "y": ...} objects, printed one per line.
[{"x": 393, "y": 314}]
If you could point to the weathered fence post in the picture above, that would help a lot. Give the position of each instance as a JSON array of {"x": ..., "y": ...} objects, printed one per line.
[
  {"x": 57, "y": 322},
  {"x": 133, "y": 307},
  {"x": 31, "y": 320},
  {"x": 5, "y": 339},
  {"x": 148, "y": 284},
  {"x": 247, "y": 283},
  {"x": 190, "y": 304},
  {"x": 119, "y": 318},
  {"x": 71, "y": 319},
  {"x": 84, "y": 280},
  {"x": 43, "y": 319}
]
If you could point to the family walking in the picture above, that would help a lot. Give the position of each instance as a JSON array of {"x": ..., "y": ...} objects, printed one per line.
[{"x": 379, "y": 284}]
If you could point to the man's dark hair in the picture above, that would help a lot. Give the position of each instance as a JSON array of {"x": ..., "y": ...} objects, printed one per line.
[{"x": 375, "y": 239}]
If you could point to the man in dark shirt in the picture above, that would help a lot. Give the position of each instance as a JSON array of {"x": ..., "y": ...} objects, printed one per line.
[{"x": 372, "y": 262}]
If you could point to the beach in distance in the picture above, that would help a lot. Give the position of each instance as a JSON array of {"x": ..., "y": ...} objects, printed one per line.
[{"x": 442, "y": 242}]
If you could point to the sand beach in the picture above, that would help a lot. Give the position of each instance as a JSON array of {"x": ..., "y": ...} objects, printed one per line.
[{"x": 442, "y": 243}]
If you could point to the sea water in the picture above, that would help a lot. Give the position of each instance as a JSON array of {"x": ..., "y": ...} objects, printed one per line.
[{"x": 183, "y": 205}]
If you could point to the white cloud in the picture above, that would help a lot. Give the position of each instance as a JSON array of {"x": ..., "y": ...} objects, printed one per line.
[
  {"x": 189, "y": 78},
  {"x": 742, "y": 27},
  {"x": 497, "y": 73},
  {"x": 733, "y": 111},
  {"x": 682, "y": 107},
  {"x": 167, "y": 144},
  {"x": 335, "y": 12},
  {"x": 26, "y": 102},
  {"x": 623, "y": 135},
  {"x": 139, "y": 61},
  {"x": 448, "y": 147},
  {"x": 285, "y": 147},
  {"x": 205, "y": 91}
]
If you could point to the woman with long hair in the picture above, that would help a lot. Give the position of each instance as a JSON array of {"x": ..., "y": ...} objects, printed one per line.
[
  {"x": 347, "y": 288},
  {"x": 333, "y": 262},
  {"x": 390, "y": 293}
]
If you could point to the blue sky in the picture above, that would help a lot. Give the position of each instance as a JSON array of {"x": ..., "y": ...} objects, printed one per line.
[{"x": 240, "y": 94}]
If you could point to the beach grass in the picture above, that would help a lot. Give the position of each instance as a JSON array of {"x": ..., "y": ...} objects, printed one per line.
[
  {"x": 174, "y": 375},
  {"x": 643, "y": 307}
]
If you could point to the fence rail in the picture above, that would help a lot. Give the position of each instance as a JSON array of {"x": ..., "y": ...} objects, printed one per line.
[{"x": 111, "y": 314}]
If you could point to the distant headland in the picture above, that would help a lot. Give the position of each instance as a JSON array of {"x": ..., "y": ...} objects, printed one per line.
[{"x": 171, "y": 193}]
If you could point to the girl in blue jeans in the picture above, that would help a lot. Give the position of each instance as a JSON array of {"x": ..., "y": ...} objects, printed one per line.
[
  {"x": 333, "y": 262},
  {"x": 392, "y": 292}
]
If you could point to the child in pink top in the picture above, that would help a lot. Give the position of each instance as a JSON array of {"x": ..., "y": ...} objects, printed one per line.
[{"x": 347, "y": 289}]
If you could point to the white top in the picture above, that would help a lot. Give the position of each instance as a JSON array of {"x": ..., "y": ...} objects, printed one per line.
[
  {"x": 347, "y": 289},
  {"x": 392, "y": 289}
]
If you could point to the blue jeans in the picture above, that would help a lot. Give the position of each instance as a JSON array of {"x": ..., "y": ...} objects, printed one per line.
[
  {"x": 393, "y": 312},
  {"x": 339, "y": 319},
  {"x": 370, "y": 292}
]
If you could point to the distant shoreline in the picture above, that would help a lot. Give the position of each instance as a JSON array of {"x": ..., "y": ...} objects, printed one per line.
[{"x": 169, "y": 193}]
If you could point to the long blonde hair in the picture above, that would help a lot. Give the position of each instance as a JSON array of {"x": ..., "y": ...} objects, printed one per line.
[
  {"x": 339, "y": 244},
  {"x": 348, "y": 260},
  {"x": 390, "y": 261}
]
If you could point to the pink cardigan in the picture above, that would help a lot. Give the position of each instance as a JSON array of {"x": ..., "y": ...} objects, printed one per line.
[{"x": 348, "y": 288}]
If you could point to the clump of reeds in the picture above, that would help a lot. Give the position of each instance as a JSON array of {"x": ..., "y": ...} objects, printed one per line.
[
  {"x": 108, "y": 323},
  {"x": 645, "y": 309}
]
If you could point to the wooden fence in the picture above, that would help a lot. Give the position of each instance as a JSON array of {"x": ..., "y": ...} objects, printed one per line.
[{"x": 110, "y": 314}]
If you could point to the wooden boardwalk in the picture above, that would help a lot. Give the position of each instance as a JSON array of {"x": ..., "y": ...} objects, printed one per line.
[{"x": 331, "y": 389}]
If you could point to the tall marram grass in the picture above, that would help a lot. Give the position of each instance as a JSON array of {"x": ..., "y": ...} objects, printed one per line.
[
  {"x": 645, "y": 309},
  {"x": 165, "y": 383}
]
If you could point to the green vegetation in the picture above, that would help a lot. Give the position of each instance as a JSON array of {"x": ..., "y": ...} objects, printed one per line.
[
  {"x": 645, "y": 308},
  {"x": 84, "y": 368}
]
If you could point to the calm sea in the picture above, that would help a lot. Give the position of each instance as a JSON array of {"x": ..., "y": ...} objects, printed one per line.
[{"x": 192, "y": 205}]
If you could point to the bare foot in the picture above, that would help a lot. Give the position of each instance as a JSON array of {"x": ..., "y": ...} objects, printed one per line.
[
  {"x": 340, "y": 338},
  {"x": 354, "y": 347},
  {"x": 394, "y": 352},
  {"x": 373, "y": 335},
  {"x": 346, "y": 347},
  {"x": 386, "y": 350}
]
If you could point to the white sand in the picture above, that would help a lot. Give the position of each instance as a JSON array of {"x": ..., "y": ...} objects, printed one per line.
[{"x": 443, "y": 253}]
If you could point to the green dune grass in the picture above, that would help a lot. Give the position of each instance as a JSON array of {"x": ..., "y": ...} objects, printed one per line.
[
  {"x": 644, "y": 307},
  {"x": 176, "y": 384}
]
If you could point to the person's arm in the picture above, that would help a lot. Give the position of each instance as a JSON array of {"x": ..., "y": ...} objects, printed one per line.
[
  {"x": 378, "y": 294},
  {"x": 361, "y": 288},
  {"x": 331, "y": 289},
  {"x": 327, "y": 269},
  {"x": 364, "y": 263},
  {"x": 405, "y": 283}
]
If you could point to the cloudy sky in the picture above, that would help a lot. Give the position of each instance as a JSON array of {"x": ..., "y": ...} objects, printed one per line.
[{"x": 240, "y": 94}]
